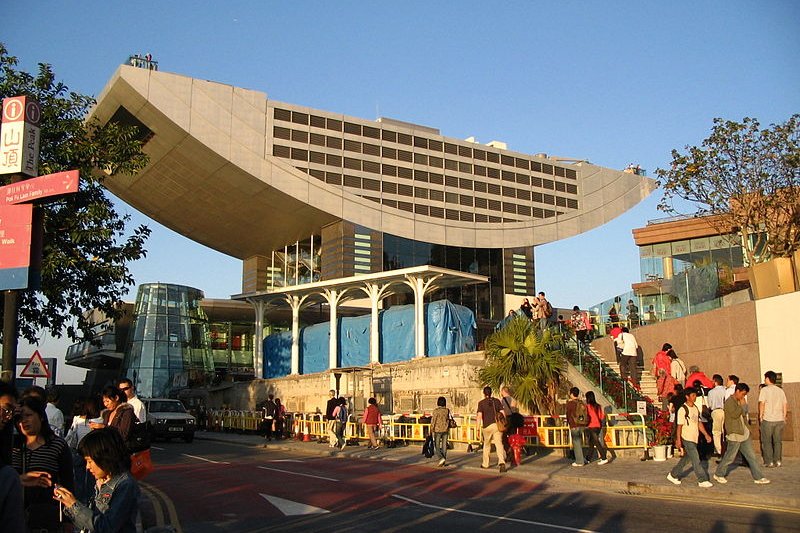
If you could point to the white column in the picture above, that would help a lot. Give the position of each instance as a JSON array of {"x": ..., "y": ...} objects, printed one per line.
[
  {"x": 333, "y": 297},
  {"x": 420, "y": 286},
  {"x": 376, "y": 293},
  {"x": 258, "y": 349},
  {"x": 296, "y": 303}
]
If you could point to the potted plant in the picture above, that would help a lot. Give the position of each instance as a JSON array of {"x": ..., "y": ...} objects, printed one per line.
[{"x": 660, "y": 429}]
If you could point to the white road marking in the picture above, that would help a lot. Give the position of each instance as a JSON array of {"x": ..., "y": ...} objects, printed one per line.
[
  {"x": 290, "y": 508},
  {"x": 206, "y": 460},
  {"x": 495, "y": 517},
  {"x": 298, "y": 473},
  {"x": 285, "y": 461},
  {"x": 157, "y": 448}
]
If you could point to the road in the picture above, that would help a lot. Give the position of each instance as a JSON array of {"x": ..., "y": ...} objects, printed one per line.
[{"x": 211, "y": 486}]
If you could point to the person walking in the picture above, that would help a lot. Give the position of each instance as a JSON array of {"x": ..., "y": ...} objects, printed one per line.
[
  {"x": 330, "y": 427},
  {"x": 543, "y": 311},
  {"x": 372, "y": 422},
  {"x": 716, "y": 402},
  {"x": 595, "y": 428},
  {"x": 577, "y": 419},
  {"x": 738, "y": 437},
  {"x": 440, "y": 429},
  {"x": 628, "y": 357},
  {"x": 677, "y": 368},
  {"x": 340, "y": 415},
  {"x": 772, "y": 407},
  {"x": 661, "y": 370},
  {"x": 687, "y": 437},
  {"x": 268, "y": 412},
  {"x": 488, "y": 408},
  {"x": 582, "y": 325}
]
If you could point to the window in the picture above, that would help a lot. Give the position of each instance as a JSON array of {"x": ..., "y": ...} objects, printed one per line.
[
  {"x": 372, "y": 133},
  {"x": 281, "y": 133},
  {"x": 333, "y": 124},
  {"x": 299, "y": 118},
  {"x": 390, "y": 136},
  {"x": 354, "y": 129},
  {"x": 299, "y": 136},
  {"x": 281, "y": 151}
]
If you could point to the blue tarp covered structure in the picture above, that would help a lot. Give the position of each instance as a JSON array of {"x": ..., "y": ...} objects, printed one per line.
[{"x": 449, "y": 329}]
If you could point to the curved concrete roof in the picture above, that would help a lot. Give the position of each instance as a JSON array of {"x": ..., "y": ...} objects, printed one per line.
[{"x": 212, "y": 177}]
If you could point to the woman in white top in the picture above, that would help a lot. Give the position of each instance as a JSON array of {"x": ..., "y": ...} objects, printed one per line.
[
  {"x": 677, "y": 368},
  {"x": 88, "y": 413}
]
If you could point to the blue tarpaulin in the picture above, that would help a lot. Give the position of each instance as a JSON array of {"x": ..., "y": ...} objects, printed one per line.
[{"x": 449, "y": 329}]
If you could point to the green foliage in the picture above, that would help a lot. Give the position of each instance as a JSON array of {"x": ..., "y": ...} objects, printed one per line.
[
  {"x": 86, "y": 249},
  {"x": 528, "y": 361},
  {"x": 748, "y": 177}
]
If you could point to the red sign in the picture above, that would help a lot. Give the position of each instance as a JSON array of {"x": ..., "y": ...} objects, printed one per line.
[
  {"x": 21, "y": 108},
  {"x": 15, "y": 235},
  {"x": 35, "y": 368},
  {"x": 41, "y": 187}
]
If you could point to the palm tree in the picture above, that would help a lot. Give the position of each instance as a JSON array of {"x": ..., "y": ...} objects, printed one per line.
[{"x": 528, "y": 361}]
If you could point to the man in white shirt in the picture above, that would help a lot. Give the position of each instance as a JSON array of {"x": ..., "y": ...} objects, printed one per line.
[
  {"x": 716, "y": 402},
  {"x": 54, "y": 415},
  {"x": 628, "y": 358},
  {"x": 772, "y": 407},
  {"x": 126, "y": 386},
  {"x": 687, "y": 437}
]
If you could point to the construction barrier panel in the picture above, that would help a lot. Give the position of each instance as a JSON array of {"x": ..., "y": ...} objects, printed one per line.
[{"x": 622, "y": 431}]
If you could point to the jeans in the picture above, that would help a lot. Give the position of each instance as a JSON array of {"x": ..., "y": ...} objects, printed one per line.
[
  {"x": 596, "y": 441},
  {"x": 440, "y": 444},
  {"x": 690, "y": 455},
  {"x": 628, "y": 367},
  {"x": 771, "y": 445},
  {"x": 748, "y": 452},
  {"x": 577, "y": 444},
  {"x": 341, "y": 428}
]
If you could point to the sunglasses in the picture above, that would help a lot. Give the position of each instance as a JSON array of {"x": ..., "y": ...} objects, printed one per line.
[{"x": 123, "y": 389}]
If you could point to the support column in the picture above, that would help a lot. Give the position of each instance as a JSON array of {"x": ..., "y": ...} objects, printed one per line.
[
  {"x": 258, "y": 351},
  {"x": 296, "y": 303},
  {"x": 376, "y": 293},
  {"x": 420, "y": 286},
  {"x": 333, "y": 297}
]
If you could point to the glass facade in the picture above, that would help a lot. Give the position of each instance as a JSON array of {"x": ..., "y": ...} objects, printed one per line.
[
  {"x": 485, "y": 299},
  {"x": 295, "y": 264},
  {"x": 232, "y": 348},
  {"x": 169, "y": 343}
]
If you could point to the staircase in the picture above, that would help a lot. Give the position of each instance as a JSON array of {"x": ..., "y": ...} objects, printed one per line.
[{"x": 647, "y": 382}]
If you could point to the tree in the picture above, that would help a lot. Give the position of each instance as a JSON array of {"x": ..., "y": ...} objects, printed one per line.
[
  {"x": 86, "y": 250},
  {"x": 748, "y": 178},
  {"x": 526, "y": 360}
]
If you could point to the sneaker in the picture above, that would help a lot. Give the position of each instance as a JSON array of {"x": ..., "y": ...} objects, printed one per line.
[
  {"x": 343, "y": 445},
  {"x": 442, "y": 462},
  {"x": 762, "y": 481},
  {"x": 705, "y": 484},
  {"x": 602, "y": 462},
  {"x": 778, "y": 463},
  {"x": 768, "y": 465},
  {"x": 673, "y": 480},
  {"x": 502, "y": 468},
  {"x": 720, "y": 479},
  {"x": 577, "y": 464}
]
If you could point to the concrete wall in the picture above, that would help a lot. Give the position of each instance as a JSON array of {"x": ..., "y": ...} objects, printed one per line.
[
  {"x": 399, "y": 387},
  {"x": 745, "y": 339}
]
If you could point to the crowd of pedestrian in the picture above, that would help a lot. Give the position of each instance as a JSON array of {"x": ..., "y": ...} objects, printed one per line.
[{"x": 42, "y": 464}]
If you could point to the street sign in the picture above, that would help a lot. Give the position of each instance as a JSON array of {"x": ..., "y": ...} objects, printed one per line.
[
  {"x": 15, "y": 245},
  {"x": 42, "y": 187},
  {"x": 36, "y": 368},
  {"x": 19, "y": 136}
]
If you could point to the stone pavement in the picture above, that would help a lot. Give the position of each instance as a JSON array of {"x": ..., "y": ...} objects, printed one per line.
[{"x": 625, "y": 473}]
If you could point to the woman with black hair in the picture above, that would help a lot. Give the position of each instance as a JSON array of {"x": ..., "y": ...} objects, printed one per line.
[
  {"x": 115, "y": 503},
  {"x": 42, "y": 459},
  {"x": 118, "y": 413},
  {"x": 595, "y": 428}
]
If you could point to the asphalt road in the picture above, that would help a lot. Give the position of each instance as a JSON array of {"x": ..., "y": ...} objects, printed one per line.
[{"x": 212, "y": 486}]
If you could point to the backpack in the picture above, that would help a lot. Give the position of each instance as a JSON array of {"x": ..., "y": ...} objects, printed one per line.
[
  {"x": 428, "y": 447},
  {"x": 548, "y": 309},
  {"x": 581, "y": 414}
]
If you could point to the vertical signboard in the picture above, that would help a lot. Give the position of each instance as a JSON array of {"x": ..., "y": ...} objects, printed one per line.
[
  {"x": 19, "y": 136},
  {"x": 15, "y": 245}
]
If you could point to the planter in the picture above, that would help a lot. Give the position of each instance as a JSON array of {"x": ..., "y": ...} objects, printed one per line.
[{"x": 659, "y": 452}]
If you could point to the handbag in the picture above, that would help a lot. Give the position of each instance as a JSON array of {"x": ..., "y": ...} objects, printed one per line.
[
  {"x": 500, "y": 418},
  {"x": 141, "y": 464},
  {"x": 451, "y": 422}
]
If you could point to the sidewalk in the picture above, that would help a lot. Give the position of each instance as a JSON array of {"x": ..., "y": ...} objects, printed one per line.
[{"x": 623, "y": 474}]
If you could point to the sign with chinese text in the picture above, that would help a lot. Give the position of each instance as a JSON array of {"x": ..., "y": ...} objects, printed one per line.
[
  {"x": 41, "y": 187},
  {"x": 15, "y": 245},
  {"x": 36, "y": 367},
  {"x": 19, "y": 136}
]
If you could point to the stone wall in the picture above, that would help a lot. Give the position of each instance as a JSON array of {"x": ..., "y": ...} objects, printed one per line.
[{"x": 399, "y": 387}]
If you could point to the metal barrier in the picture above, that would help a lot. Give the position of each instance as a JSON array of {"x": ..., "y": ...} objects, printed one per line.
[{"x": 621, "y": 431}]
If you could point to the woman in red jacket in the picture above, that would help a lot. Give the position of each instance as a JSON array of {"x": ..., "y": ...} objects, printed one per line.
[{"x": 372, "y": 422}]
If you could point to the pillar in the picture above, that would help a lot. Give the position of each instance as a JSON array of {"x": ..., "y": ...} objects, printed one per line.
[
  {"x": 376, "y": 292},
  {"x": 420, "y": 286},
  {"x": 333, "y": 297},
  {"x": 258, "y": 351},
  {"x": 296, "y": 303}
]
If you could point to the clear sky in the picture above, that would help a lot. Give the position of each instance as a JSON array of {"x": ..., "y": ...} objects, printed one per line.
[{"x": 611, "y": 82}]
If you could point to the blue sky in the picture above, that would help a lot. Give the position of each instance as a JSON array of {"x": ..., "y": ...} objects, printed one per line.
[{"x": 612, "y": 82}]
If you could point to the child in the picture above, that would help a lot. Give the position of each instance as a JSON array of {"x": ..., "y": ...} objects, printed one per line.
[{"x": 115, "y": 503}]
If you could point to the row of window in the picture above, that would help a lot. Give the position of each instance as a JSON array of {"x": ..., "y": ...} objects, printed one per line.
[
  {"x": 467, "y": 216},
  {"x": 415, "y": 141}
]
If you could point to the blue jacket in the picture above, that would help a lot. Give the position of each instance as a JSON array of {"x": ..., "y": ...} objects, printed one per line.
[{"x": 113, "y": 507}]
